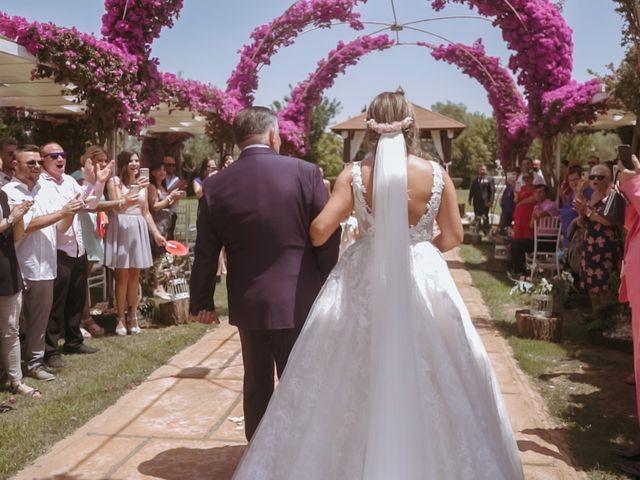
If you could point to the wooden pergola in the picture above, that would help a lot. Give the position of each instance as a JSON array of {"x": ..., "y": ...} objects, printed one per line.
[{"x": 431, "y": 125}]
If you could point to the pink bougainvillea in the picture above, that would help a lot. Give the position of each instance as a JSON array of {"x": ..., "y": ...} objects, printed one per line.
[
  {"x": 296, "y": 117},
  {"x": 133, "y": 26},
  {"x": 116, "y": 86},
  {"x": 282, "y": 32},
  {"x": 508, "y": 105},
  {"x": 542, "y": 61}
]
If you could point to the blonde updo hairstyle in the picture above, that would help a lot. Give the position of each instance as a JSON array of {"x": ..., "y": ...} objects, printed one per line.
[{"x": 389, "y": 107}]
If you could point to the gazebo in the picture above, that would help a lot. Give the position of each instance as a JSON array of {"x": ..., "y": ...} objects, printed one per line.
[{"x": 431, "y": 125}]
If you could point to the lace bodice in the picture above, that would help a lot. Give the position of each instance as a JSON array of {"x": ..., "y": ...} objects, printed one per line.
[{"x": 421, "y": 231}]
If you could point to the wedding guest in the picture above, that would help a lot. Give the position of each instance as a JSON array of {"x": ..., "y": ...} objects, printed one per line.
[
  {"x": 228, "y": 161},
  {"x": 538, "y": 176},
  {"x": 630, "y": 286},
  {"x": 128, "y": 248},
  {"x": 567, "y": 213},
  {"x": 562, "y": 178},
  {"x": 523, "y": 243},
  {"x": 525, "y": 168},
  {"x": 602, "y": 245},
  {"x": 160, "y": 202},
  {"x": 592, "y": 161},
  {"x": 481, "y": 196},
  {"x": 11, "y": 297},
  {"x": 69, "y": 287},
  {"x": 525, "y": 201},
  {"x": 8, "y": 148},
  {"x": 172, "y": 182},
  {"x": 508, "y": 201},
  {"x": 207, "y": 167},
  {"x": 35, "y": 242}
]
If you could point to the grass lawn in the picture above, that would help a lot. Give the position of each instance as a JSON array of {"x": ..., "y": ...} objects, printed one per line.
[
  {"x": 87, "y": 386},
  {"x": 581, "y": 379}
]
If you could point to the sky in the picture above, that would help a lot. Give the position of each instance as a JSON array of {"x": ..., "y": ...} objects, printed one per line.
[{"x": 204, "y": 42}]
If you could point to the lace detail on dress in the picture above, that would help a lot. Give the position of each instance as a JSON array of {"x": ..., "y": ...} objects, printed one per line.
[{"x": 421, "y": 231}]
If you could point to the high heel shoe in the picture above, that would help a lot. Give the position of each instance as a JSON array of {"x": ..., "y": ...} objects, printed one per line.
[
  {"x": 121, "y": 331},
  {"x": 132, "y": 323}
]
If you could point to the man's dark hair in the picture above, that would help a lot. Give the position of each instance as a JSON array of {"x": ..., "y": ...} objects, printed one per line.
[
  {"x": 575, "y": 169},
  {"x": 8, "y": 141},
  {"x": 253, "y": 121},
  {"x": 27, "y": 149}
]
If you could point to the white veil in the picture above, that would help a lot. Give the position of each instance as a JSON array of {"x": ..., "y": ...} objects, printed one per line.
[{"x": 395, "y": 438}]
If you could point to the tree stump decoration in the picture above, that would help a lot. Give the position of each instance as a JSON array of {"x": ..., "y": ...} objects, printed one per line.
[
  {"x": 538, "y": 327},
  {"x": 175, "y": 312}
]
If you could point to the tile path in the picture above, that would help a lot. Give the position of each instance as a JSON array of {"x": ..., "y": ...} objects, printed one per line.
[{"x": 176, "y": 424}]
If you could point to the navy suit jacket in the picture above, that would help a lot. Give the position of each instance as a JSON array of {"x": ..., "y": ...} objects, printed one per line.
[{"x": 260, "y": 209}]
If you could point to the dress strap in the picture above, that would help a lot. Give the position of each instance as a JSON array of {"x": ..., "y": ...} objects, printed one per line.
[{"x": 438, "y": 187}]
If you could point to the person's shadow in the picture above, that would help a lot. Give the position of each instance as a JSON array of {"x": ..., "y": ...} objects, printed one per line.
[{"x": 179, "y": 463}]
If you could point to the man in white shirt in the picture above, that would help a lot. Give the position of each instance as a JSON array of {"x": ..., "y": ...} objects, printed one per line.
[
  {"x": 8, "y": 148},
  {"x": 525, "y": 168},
  {"x": 70, "y": 285},
  {"x": 35, "y": 239},
  {"x": 538, "y": 177}
]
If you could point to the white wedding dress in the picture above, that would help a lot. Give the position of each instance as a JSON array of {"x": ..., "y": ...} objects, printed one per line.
[{"x": 412, "y": 398}]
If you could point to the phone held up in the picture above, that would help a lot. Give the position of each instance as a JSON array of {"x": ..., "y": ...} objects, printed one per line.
[
  {"x": 624, "y": 155},
  {"x": 144, "y": 172}
]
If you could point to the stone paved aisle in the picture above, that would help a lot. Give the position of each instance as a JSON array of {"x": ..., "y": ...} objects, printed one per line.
[{"x": 176, "y": 425}]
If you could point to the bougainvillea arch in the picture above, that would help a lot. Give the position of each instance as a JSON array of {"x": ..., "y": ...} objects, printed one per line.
[{"x": 120, "y": 83}]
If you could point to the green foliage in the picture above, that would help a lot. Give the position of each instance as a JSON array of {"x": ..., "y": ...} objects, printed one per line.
[
  {"x": 577, "y": 147},
  {"x": 328, "y": 152},
  {"x": 196, "y": 150},
  {"x": 478, "y": 144}
]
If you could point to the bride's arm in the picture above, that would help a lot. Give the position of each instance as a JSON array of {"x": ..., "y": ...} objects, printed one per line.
[
  {"x": 337, "y": 209},
  {"x": 451, "y": 233}
]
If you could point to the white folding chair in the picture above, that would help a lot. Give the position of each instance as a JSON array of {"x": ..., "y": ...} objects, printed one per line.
[
  {"x": 546, "y": 245},
  {"x": 98, "y": 278}
]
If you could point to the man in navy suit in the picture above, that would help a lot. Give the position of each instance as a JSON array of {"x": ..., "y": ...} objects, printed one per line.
[{"x": 260, "y": 209}]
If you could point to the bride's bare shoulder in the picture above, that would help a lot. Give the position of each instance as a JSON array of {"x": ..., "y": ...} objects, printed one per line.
[{"x": 420, "y": 165}]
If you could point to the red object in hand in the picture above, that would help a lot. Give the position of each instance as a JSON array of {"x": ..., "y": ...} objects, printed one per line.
[{"x": 176, "y": 248}]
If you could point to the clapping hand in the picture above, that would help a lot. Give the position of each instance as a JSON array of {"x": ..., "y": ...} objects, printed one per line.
[
  {"x": 626, "y": 174},
  {"x": 130, "y": 199},
  {"x": 579, "y": 205},
  {"x": 103, "y": 174},
  {"x": 88, "y": 171},
  {"x": 73, "y": 206},
  {"x": 19, "y": 210}
]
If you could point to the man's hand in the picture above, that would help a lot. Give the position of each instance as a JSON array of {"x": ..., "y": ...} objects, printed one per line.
[
  {"x": 72, "y": 206},
  {"x": 19, "y": 210},
  {"x": 626, "y": 174},
  {"x": 88, "y": 172},
  {"x": 207, "y": 317}
]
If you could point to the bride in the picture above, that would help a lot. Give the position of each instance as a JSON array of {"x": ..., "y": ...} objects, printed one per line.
[{"x": 389, "y": 378}]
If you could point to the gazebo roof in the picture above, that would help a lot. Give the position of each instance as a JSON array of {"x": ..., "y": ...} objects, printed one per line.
[
  {"x": 610, "y": 120},
  {"x": 425, "y": 120}
]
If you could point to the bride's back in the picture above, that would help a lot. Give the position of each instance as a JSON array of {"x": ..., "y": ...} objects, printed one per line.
[{"x": 419, "y": 185}]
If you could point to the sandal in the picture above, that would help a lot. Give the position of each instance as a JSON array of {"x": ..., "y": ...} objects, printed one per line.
[
  {"x": 132, "y": 323},
  {"x": 121, "y": 331},
  {"x": 24, "y": 389}
]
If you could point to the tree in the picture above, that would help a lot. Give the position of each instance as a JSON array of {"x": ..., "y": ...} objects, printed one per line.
[{"x": 477, "y": 145}]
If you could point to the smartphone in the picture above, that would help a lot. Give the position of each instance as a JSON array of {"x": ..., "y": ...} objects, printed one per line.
[
  {"x": 183, "y": 194},
  {"x": 624, "y": 155},
  {"x": 144, "y": 172}
]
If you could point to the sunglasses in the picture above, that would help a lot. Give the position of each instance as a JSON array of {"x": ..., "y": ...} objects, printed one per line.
[
  {"x": 169, "y": 164},
  {"x": 34, "y": 163},
  {"x": 56, "y": 155},
  {"x": 597, "y": 177}
]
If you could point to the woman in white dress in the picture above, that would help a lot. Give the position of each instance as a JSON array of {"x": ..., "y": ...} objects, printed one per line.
[
  {"x": 127, "y": 249},
  {"x": 389, "y": 378}
]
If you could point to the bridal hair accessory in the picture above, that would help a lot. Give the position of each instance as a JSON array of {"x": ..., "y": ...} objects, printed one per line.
[{"x": 389, "y": 127}]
